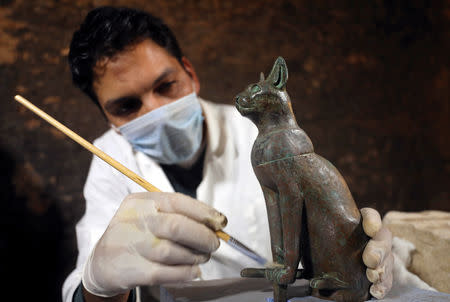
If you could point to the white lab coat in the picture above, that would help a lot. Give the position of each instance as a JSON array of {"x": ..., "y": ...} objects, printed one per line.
[{"x": 228, "y": 185}]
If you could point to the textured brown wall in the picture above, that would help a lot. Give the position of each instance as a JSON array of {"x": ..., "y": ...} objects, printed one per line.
[{"x": 369, "y": 82}]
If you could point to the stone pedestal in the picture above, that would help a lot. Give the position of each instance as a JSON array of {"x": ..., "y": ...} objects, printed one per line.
[
  {"x": 228, "y": 290},
  {"x": 429, "y": 231},
  {"x": 258, "y": 290}
]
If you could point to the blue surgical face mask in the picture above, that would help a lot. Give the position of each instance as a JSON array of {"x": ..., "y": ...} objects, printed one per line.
[{"x": 170, "y": 134}]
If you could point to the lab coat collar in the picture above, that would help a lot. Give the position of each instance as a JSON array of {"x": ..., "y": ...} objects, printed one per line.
[{"x": 216, "y": 134}]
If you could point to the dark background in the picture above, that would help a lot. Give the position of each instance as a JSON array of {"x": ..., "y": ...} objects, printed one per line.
[{"x": 369, "y": 81}]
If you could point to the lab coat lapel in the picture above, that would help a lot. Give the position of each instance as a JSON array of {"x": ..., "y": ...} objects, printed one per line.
[
  {"x": 220, "y": 154},
  {"x": 152, "y": 172}
]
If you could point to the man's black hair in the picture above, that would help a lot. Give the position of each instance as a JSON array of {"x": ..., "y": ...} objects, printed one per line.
[{"x": 107, "y": 31}]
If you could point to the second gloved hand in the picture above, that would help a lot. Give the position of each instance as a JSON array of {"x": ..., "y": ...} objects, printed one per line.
[
  {"x": 377, "y": 255},
  {"x": 153, "y": 238}
]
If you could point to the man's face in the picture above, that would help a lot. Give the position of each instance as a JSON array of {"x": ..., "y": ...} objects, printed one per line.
[{"x": 141, "y": 79}]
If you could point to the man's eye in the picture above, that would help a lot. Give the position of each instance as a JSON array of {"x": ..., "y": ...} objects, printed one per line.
[
  {"x": 165, "y": 87},
  {"x": 127, "y": 107}
]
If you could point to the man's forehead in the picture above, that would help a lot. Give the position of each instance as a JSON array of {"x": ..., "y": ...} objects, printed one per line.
[{"x": 143, "y": 55}]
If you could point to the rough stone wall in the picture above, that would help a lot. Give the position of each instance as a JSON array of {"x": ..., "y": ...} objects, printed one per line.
[{"x": 369, "y": 82}]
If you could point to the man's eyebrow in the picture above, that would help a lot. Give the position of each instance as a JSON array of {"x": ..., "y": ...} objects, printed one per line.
[{"x": 161, "y": 77}]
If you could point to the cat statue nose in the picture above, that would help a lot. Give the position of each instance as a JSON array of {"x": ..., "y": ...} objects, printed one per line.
[{"x": 240, "y": 99}]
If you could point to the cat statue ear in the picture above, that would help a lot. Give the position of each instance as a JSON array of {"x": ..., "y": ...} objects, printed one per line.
[{"x": 279, "y": 75}]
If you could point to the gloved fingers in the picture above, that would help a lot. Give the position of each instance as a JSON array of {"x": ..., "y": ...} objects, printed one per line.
[
  {"x": 371, "y": 221},
  {"x": 187, "y": 206},
  {"x": 377, "y": 255},
  {"x": 380, "y": 273},
  {"x": 378, "y": 248},
  {"x": 170, "y": 253},
  {"x": 185, "y": 231},
  {"x": 383, "y": 286},
  {"x": 157, "y": 274}
]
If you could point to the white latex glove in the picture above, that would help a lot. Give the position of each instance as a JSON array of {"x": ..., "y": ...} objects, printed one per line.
[
  {"x": 153, "y": 238},
  {"x": 377, "y": 255}
]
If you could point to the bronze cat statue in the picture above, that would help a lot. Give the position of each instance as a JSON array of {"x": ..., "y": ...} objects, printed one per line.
[{"x": 312, "y": 215}]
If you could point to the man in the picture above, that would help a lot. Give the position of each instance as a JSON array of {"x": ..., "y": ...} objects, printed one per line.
[{"x": 130, "y": 65}]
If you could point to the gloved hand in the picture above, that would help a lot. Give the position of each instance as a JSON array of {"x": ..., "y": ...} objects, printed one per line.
[
  {"x": 377, "y": 255},
  {"x": 153, "y": 238}
]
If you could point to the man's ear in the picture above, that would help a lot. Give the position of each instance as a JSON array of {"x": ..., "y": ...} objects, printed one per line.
[
  {"x": 187, "y": 65},
  {"x": 279, "y": 75}
]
